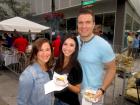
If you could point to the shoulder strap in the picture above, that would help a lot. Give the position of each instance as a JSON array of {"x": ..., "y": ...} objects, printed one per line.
[{"x": 50, "y": 74}]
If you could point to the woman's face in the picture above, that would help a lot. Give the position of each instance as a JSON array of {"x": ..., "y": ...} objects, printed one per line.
[
  {"x": 44, "y": 53},
  {"x": 68, "y": 47}
]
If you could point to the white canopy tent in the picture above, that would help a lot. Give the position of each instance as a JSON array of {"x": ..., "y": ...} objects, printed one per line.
[
  {"x": 138, "y": 30},
  {"x": 21, "y": 25}
]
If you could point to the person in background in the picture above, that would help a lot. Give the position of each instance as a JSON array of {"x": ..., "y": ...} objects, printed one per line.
[
  {"x": 130, "y": 39},
  {"x": 135, "y": 46},
  {"x": 139, "y": 44},
  {"x": 32, "y": 80},
  {"x": 94, "y": 55},
  {"x": 1, "y": 44},
  {"x": 1, "y": 41},
  {"x": 8, "y": 40},
  {"x": 98, "y": 31},
  {"x": 56, "y": 45},
  {"x": 13, "y": 37},
  {"x": 20, "y": 43},
  {"x": 33, "y": 37},
  {"x": 67, "y": 63}
]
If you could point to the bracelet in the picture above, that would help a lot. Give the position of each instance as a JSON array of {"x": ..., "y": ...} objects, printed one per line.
[{"x": 103, "y": 91}]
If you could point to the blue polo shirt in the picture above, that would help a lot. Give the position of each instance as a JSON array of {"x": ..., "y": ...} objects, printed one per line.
[{"x": 92, "y": 57}]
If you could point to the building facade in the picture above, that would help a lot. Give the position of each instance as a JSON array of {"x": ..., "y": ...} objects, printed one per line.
[{"x": 117, "y": 17}]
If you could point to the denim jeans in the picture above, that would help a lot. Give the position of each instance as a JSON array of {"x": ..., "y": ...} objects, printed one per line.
[{"x": 59, "y": 102}]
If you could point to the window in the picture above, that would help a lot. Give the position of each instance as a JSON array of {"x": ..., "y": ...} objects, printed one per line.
[
  {"x": 128, "y": 25},
  {"x": 99, "y": 19},
  {"x": 71, "y": 24},
  {"x": 107, "y": 21},
  {"x": 135, "y": 26}
]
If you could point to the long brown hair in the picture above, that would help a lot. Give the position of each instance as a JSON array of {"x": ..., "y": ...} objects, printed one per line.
[{"x": 36, "y": 47}]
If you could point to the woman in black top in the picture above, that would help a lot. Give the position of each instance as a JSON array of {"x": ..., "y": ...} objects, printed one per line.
[{"x": 67, "y": 63}]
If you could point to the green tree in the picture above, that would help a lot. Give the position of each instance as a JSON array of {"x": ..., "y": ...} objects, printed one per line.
[
  {"x": 16, "y": 8},
  {"x": 3, "y": 14}
]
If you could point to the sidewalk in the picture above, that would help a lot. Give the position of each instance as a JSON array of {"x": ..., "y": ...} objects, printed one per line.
[
  {"x": 2, "y": 102},
  {"x": 8, "y": 88}
]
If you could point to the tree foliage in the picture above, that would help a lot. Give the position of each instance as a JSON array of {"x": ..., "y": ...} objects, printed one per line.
[
  {"x": 17, "y": 8},
  {"x": 3, "y": 14}
]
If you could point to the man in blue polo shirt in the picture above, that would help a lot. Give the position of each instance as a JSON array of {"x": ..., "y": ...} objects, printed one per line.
[{"x": 95, "y": 54}]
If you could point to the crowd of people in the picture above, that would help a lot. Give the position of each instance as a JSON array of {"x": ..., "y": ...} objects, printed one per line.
[
  {"x": 14, "y": 40},
  {"x": 80, "y": 59}
]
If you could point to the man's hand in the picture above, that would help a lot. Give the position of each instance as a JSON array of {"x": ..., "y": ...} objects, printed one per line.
[{"x": 98, "y": 94}]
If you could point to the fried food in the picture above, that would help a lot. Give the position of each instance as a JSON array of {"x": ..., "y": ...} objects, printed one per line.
[
  {"x": 60, "y": 78},
  {"x": 89, "y": 95}
]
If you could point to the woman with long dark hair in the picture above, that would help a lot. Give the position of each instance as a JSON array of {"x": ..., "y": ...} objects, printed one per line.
[{"x": 67, "y": 63}]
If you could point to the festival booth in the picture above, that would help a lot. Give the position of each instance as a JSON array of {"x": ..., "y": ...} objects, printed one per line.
[{"x": 12, "y": 59}]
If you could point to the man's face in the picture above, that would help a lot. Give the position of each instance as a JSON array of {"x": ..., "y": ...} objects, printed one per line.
[{"x": 85, "y": 25}]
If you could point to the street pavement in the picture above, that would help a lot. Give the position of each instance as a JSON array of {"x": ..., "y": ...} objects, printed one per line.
[{"x": 9, "y": 88}]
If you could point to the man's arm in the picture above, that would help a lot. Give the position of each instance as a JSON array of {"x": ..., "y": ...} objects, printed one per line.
[{"x": 109, "y": 76}]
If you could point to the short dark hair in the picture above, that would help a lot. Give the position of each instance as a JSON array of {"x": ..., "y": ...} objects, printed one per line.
[{"x": 86, "y": 11}]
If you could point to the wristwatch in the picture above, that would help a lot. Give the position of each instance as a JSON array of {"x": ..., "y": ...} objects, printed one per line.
[{"x": 103, "y": 91}]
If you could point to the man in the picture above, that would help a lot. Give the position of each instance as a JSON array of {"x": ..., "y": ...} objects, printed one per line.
[
  {"x": 98, "y": 31},
  {"x": 130, "y": 39},
  {"x": 56, "y": 45},
  {"x": 95, "y": 54}
]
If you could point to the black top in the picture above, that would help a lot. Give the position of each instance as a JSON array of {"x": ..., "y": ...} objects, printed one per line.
[{"x": 74, "y": 77}]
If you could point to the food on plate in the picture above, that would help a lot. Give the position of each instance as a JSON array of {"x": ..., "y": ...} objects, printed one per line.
[
  {"x": 89, "y": 95},
  {"x": 61, "y": 78}
]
